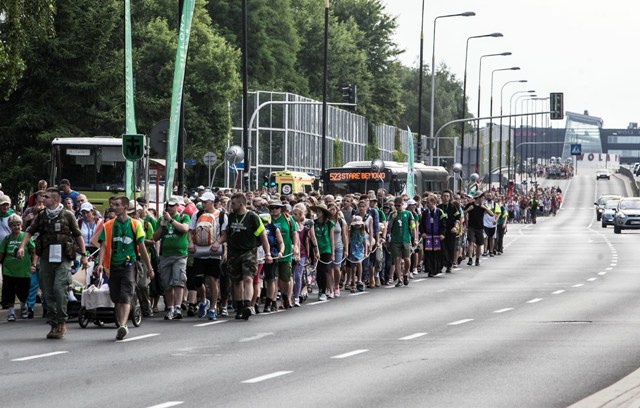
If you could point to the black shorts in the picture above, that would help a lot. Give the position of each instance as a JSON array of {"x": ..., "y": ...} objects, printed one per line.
[
  {"x": 475, "y": 236},
  {"x": 12, "y": 287},
  {"x": 122, "y": 280},
  {"x": 269, "y": 271},
  {"x": 490, "y": 231},
  {"x": 207, "y": 267}
]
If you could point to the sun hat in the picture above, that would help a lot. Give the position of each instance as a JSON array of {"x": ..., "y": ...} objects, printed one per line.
[
  {"x": 321, "y": 207},
  {"x": 356, "y": 220}
]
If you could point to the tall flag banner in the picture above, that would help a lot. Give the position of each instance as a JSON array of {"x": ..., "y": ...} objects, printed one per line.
[
  {"x": 410, "y": 173},
  {"x": 130, "y": 113},
  {"x": 176, "y": 94}
]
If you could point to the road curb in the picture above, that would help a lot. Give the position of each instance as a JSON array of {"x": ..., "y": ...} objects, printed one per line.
[{"x": 623, "y": 394}]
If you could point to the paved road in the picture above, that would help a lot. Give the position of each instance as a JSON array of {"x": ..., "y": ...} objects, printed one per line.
[{"x": 552, "y": 321}]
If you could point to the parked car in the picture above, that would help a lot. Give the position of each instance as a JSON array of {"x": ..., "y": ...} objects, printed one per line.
[
  {"x": 627, "y": 214},
  {"x": 600, "y": 203},
  {"x": 609, "y": 212},
  {"x": 603, "y": 173}
]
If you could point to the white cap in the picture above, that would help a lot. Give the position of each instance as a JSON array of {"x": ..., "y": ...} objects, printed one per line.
[
  {"x": 208, "y": 196},
  {"x": 411, "y": 202},
  {"x": 86, "y": 207}
]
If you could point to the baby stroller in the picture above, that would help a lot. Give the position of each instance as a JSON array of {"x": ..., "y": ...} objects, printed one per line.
[{"x": 97, "y": 307}]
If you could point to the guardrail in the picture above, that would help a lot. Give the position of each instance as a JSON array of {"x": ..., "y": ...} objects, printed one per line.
[{"x": 634, "y": 185}]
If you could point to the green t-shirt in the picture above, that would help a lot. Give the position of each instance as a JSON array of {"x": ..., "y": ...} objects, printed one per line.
[
  {"x": 286, "y": 232},
  {"x": 400, "y": 229},
  {"x": 323, "y": 232},
  {"x": 123, "y": 248},
  {"x": 381, "y": 216},
  {"x": 174, "y": 243},
  {"x": 242, "y": 231},
  {"x": 154, "y": 223},
  {"x": 12, "y": 266}
]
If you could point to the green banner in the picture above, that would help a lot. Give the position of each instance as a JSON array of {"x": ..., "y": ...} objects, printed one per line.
[
  {"x": 130, "y": 121},
  {"x": 410, "y": 174},
  {"x": 176, "y": 95}
]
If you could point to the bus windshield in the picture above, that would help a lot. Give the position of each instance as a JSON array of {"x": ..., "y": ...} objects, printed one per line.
[{"x": 90, "y": 168}]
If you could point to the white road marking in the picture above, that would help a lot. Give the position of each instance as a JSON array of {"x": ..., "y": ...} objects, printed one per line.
[
  {"x": 317, "y": 303},
  {"x": 557, "y": 292},
  {"x": 592, "y": 279},
  {"x": 256, "y": 337},
  {"x": 534, "y": 300},
  {"x": 210, "y": 323},
  {"x": 602, "y": 273},
  {"x": 457, "y": 322},
  {"x": 609, "y": 269},
  {"x": 266, "y": 377},
  {"x": 351, "y": 353},
  {"x": 419, "y": 280},
  {"x": 613, "y": 264},
  {"x": 578, "y": 285},
  {"x": 412, "y": 336},
  {"x": 358, "y": 293},
  {"x": 503, "y": 310},
  {"x": 145, "y": 336},
  {"x": 167, "y": 404},
  {"x": 55, "y": 353}
]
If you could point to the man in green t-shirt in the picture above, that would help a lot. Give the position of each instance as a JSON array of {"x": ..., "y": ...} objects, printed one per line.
[
  {"x": 289, "y": 231},
  {"x": 243, "y": 228},
  {"x": 172, "y": 232},
  {"x": 121, "y": 245},
  {"x": 401, "y": 228}
]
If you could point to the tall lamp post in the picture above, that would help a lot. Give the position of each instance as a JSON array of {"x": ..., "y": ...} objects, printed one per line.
[
  {"x": 522, "y": 118},
  {"x": 502, "y": 54},
  {"x": 511, "y": 143},
  {"x": 433, "y": 73},
  {"x": 325, "y": 80},
  {"x": 420, "y": 78},
  {"x": 464, "y": 90},
  {"x": 500, "y": 155}
]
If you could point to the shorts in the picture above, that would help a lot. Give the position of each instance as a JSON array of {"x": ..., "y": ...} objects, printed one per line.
[
  {"x": 490, "y": 231},
  {"x": 269, "y": 271},
  {"x": 402, "y": 250},
  {"x": 475, "y": 236},
  {"x": 14, "y": 286},
  {"x": 173, "y": 271},
  {"x": 243, "y": 265},
  {"x": 122, "y": 280},
  {"x": 207, "y": 267},
  {"x": 284, "y": 271},
  {"x": 339, "y": 255}
]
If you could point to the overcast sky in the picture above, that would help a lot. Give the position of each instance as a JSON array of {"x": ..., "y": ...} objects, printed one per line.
[{"x": 586, "y": 49}]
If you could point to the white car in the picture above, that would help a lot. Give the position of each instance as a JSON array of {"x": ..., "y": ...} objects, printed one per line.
[{"x": 603, "y": 173}]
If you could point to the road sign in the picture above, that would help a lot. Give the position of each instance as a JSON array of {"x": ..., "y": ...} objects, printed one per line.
[
  {"x": 286, "y": 189},
  {"x": 133, "y": 147},
  {"x": 209, "y": 158},
  {"x": 576, "y": 149},
  {"x": 190, "y": 162}
]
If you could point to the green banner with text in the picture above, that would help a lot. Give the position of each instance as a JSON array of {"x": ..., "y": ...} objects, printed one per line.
[
  {"x": 130, "y": 121},
  {"x": 176, "y": 95}
]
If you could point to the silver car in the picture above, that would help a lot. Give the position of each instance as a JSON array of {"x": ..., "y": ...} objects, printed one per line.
[
  {"x": 609, "y": 213},
  {"x": 627, "y": 214}
]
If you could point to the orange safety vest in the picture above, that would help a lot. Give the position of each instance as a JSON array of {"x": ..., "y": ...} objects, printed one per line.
[{"x": 108, "y": 232}]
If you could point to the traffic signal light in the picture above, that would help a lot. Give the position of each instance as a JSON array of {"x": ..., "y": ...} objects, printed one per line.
[
  {"x": 265, "y": 181},
  {"x": 556, "y": 104},
  {"x": 350, "y": 93}
]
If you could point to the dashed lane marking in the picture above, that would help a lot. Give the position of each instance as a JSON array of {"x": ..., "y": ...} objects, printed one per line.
[
  {"x": 350, "y": 354},
  {"x": 536, "y": 300},
  {"x": 412, "y": 336},
  {"x": 609, "y": 269},
  {"x": 419, "y": 280},
  {"x": 592, "y": 279},
  {"x": 602, "y": 273},
  {"x": 210, "y": 323},
  {"x": 578, "y": 285},
  {"x": 458, "y": 322},
  {"x": 266, "y": 377},
  {"x": 317, "y": 303},
  {"x": 144, "y": 336},
  {"x": 167, "y": 404},
  {"x": 55, "y": 353},
  {"x": 557, "y": 292},
  {"x": 256, "y": 337},
  {"x": 503, "y": 310},
  {"x": 358, "y": 293}
]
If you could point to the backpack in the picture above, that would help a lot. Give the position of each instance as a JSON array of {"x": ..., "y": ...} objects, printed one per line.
[{"x": 205, "y": 232}]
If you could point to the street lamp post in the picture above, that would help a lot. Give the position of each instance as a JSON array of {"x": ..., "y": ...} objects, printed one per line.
[
  {"x": 500, "y": 143},
  {"x": 325, "y": 80},
  {"x": 491, "y": 117},
  {"x": 464, "y": 90},
  {"x": 502, "y": 54},
  {"x": 420, "y": 78},
  {"x": 523, "y": 151},
  {"x": 433, "y": 73},
  {"x": 512, "y": 143}
]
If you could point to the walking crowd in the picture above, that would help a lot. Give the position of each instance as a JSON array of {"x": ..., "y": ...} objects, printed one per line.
[{"x": 243, "y": 253}]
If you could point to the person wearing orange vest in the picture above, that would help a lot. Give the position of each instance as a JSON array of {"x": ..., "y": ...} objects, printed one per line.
[{"x": 121, "y": 243}]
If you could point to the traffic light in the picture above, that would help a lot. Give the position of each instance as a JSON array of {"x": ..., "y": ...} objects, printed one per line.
[
  {"x": 350, "y": 93},
  {"x": 265, "y": 181},
  {"x": 556, "y": 102}
]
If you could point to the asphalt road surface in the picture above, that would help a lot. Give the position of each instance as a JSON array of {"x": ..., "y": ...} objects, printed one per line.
[{"x": 552, "y": 321}]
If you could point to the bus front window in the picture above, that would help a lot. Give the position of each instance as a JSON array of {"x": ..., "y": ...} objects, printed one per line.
[{"x": 91, "y": 168}]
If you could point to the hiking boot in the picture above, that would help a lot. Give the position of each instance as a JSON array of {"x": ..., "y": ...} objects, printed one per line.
[
  {"x": 267, "y": 306},
  {"x": 122, "y": 332},
  {"x": 477, "y": 262},
  {"x": 53, "y": 332},
  {"x": 406, "y": 281},
  {"x": 62, "y": 329},
  {"x": 470, "y": 262},
  {"x": 247, "y": 311},
  {"x": 191, "y": 310}
]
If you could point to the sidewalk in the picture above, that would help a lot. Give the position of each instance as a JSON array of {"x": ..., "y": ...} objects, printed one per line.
[{"x": 623, "y": 394}]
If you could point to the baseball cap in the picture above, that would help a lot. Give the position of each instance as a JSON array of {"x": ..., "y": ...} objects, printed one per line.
[
  {"x": 208, "y": 196},
  {"x": 86, "y": 207}
]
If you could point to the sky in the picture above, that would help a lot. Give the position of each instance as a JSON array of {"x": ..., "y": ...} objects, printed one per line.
[{"x": 585, "y": 49}]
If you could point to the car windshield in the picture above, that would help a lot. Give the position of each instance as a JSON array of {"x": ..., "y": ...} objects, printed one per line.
[
  {"x": 611, "y": 204},
  {"x": 603, "y": 200},
  {"x": 630, "y": 205}
]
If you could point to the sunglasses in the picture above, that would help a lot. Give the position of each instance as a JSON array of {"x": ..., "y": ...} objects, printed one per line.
[{"x": 171, "y": 205}]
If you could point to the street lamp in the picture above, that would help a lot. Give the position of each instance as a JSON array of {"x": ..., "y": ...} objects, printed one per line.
[
  {"x": 502, "y": 54},
  {"x": 433, "y": 72},
  {"x": 512, "y": 143},
  {"x": 500, "y": 144},
  {"x": 522, "y": 146},
  {"x": 464, "y": 89},
  {"x": 325, "y": 80}
]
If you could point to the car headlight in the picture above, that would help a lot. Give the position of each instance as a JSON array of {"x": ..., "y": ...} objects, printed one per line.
[
  {"x": 621, "y": 215},
  {"x": 600, "y": 210}
]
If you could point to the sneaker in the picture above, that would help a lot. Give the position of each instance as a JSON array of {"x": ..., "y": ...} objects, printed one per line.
[
  {"x": 11, "y": 318},
  {"x": 398, "y": 283},
  {"x": 191, "y": 310},
  {"x": 202, "y": 308},
  {"x": 477, "y": 262},
  {"x": 448, "y": 270},
  {"x": 491, "y": 255},
  {"x": 485, "y": 254},
  {"x": 296, "y": 303},
  {"x": 322, "y": 297},
  {"x": 247, "y": 312},
  {"x": 470, "y": 262},
  {"x": 406, "y": 281},
  {"x": 122, "y": 332},
  {"x": 330, "y": 295},
  {"x": 360, "y": 286},
  {"x": 71, "y": 297},
  {"x": 336, "y": 292},
  {"x": 30, "y": 313},
  {"x": 23, "y": 312},
  {"x": 177, "y": 314},
  {"x": 168, "y": 315},
  {"x": 211, "y": 315},
  {"x": 224, "y": 312}
]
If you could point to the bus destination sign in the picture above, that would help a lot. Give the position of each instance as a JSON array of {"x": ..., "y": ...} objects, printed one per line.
[{"x": 349, "y": 175}]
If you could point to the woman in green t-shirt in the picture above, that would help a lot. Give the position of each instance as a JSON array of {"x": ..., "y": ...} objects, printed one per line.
[{"x": 323, "y": 241}]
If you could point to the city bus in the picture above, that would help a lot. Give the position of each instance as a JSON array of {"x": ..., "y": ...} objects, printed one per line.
[
  {"x": 95, "y": 167},
  {"x": 287, "y": 182},
  {"x": 357, "y": 177}
]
